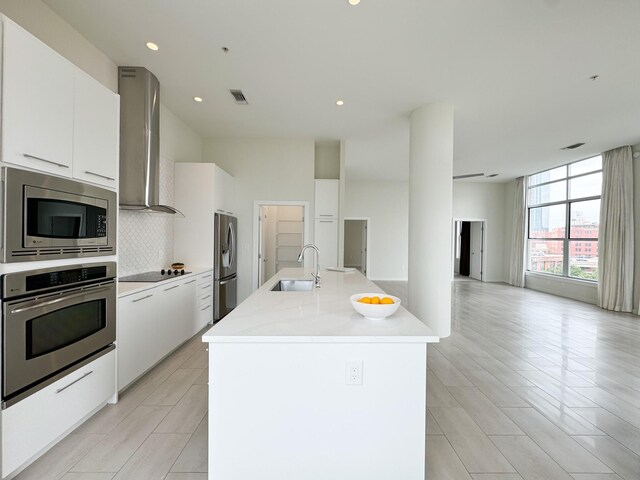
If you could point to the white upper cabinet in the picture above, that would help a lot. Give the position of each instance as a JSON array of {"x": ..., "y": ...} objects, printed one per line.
[
  {"x": 200, "y": 190},
  {"x": 224, "y": 192},
  {"x": 96, "y": 132},
  {"x": 327, "y": 194},
  {"x": 55, "y": 117},
  {"x": 37, "y": 103}
]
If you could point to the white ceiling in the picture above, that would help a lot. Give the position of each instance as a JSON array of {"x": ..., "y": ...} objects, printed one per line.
[{"x": 516, "y": 71}]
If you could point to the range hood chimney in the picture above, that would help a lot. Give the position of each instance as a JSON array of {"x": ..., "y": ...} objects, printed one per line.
[{"x": 140, "y": 141}]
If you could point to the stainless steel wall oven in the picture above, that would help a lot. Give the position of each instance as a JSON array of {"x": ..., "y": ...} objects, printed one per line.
[
  {"x": 54, "y": 321},
  {"x": 48, "y": 217}
]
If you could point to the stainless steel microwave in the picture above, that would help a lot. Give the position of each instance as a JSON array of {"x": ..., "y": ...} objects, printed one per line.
[{"x": 47, "y": 217}]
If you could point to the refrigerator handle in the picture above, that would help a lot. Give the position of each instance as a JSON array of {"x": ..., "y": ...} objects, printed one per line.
[
  {"x": 229, "y": 280},
  {"x": 232, "y": 245}
]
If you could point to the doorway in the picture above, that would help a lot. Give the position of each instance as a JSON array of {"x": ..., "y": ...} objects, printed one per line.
[
  {"x": 468, "y": 259},
  {"x": 356, "y": 240},
  {"x": 280, "y": 232}
]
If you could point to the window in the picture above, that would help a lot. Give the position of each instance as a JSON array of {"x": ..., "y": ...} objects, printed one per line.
[{"x": 563, "y": 217}]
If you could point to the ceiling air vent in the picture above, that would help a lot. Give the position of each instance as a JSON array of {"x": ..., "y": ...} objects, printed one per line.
[
  {"x": 239, "y": 97},
  {"x": 571, "y": 147},
  {"x": 469, "y": 175}
]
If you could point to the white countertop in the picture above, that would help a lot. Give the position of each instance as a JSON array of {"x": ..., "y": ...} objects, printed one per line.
[
  {"x": 129, "y": 288},
  {"x": 322, "y": 315}
]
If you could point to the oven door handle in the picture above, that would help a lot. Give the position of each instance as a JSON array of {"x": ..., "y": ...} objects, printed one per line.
[{"x": 39, "y": 304}]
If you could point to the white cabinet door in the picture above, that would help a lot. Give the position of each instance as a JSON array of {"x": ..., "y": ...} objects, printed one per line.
[
  {"x": 224, "y": 190},
  {"x": 194, "y": 185},
  {"x": 326, "y": 233},
  {"x": 37, "y": 103},
  {"x": 327, "y": 194},
  {"x": 96, "y": 132},
  {"x": 33, "y": 423},
  {"x": 176, "y": 314},
  {"x": 136, "y": 331}
]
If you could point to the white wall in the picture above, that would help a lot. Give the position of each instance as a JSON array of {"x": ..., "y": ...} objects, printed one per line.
[
  {"x": 485, "y": 201},
  {"x": 327, "y": 163},
  {"x": 264, "y": 169},
  {"x": 386, "y": 204},
  {"x": 37, "y": 18},
  {"x": 178, "y": 141}
]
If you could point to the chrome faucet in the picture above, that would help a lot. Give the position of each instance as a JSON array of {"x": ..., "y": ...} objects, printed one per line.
[{"x": 317, "y": 274}]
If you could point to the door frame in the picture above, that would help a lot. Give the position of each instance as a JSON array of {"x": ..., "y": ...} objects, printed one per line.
[
  {"x": 368, "y": 225},
  {"x": 483, "y": 258},
  {"x": 255, "y": 250}
]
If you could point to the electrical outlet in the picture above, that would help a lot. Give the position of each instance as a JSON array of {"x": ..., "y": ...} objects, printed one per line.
[{"x": 353, "y": 372}]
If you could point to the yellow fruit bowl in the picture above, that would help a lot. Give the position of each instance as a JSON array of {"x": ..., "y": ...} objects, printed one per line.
[{"x": 375, "y": 311}]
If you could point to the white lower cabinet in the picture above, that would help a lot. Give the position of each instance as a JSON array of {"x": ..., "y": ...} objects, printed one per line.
[
  {"x": 34, "y": 423},
  {"x": 137, "y": 319},
  {"x": 175, "y": 316},
  {"x": 204, "y": 312},
  {"x": 152, "y": 323}
]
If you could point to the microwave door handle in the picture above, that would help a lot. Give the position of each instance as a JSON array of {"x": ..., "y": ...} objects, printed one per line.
[{"x": 38, "y": 304}]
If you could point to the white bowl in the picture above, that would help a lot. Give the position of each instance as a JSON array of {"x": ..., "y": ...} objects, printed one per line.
[{"x": 374, "y": 312}]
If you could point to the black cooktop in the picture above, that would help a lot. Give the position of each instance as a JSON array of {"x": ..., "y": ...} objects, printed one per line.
[{"x": 153, "y": 276}]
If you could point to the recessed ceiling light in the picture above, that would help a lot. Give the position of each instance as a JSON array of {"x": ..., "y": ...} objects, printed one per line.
[
  {"x": 354, "y": 2},
  {"x": 339, "y": 103},
  {"x": 152, "y": 46},
  {"x": 197, "y": 99},
  {"x": 225, "y": 49}
]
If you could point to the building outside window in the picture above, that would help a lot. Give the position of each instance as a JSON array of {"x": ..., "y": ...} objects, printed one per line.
[{"x": 563, "y": 206}]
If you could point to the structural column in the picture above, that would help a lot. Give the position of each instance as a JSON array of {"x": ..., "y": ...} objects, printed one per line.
[{"x": 430, "y": 213}]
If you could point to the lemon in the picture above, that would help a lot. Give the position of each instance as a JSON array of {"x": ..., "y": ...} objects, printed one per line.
[
  {"x": 365, "y": 300},
  {"x": 375, "y": 300},
  {"x": 387, "y": 301}
]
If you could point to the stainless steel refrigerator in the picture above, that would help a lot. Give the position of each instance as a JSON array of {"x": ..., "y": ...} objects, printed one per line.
[{"x": 225, "y": 287}]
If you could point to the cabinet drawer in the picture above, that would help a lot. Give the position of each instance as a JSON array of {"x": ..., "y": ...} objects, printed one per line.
[
  {"x": 205, "y": 288},
  {"x": 32, "y": 424},
  {"x": 205, "y": 278},
  {"x": 206, "y": 297},
  {"x": 205, "y": 314}
]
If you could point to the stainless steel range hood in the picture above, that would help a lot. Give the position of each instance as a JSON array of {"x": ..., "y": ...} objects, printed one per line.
[{"x": 140, "y": 141}]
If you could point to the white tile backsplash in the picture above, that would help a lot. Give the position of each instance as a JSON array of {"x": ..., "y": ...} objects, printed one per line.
[{"x": 145, "y": 240}]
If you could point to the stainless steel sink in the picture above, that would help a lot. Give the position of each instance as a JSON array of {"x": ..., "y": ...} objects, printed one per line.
[{"x": 293, "y": 286}]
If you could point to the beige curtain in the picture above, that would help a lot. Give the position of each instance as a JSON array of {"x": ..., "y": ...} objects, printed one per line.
[
  {"x": 615, "y": 249},
  {"x": 516, "y": 262}
]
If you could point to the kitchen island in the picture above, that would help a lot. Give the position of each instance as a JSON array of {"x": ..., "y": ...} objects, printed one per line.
[{"x": 303, "y": 387}]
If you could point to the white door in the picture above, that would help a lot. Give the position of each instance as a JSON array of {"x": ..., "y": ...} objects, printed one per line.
[{"x": 475, "y": 267}]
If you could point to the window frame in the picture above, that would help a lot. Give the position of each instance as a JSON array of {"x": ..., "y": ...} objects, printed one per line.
[{"x": 567, "y": 202}]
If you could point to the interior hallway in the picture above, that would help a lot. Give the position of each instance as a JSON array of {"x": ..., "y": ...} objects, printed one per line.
[{"x": 528, "y": 386}]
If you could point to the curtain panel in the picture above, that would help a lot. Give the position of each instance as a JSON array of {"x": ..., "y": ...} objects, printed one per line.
[
  {"x": 616, "y": 239},
  {"x": 516, "y": 261}
]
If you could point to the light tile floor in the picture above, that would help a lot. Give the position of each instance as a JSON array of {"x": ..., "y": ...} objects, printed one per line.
[{"x": 528, "y": 386}]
